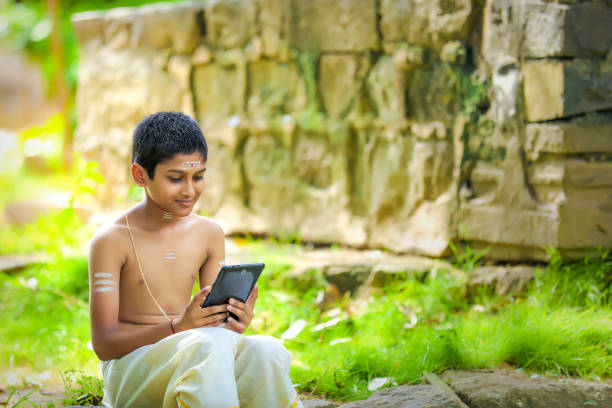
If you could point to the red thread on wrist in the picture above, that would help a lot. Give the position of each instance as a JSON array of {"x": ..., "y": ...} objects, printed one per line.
[{"x": 172, "y": 327}]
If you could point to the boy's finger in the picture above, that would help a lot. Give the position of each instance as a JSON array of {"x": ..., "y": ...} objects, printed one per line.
[
  {"x": 201, "y": 295},
  {"x": 253, "y": 296},
  {"x": 212, "y": 310},
  {"x": 235, "y": 325},
  {"x": 240, "y": 312}
]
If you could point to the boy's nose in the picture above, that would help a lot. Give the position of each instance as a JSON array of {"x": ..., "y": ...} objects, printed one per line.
[{"x": 188, "y": 189}]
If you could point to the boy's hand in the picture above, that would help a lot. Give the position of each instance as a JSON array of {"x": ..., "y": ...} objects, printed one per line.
[
  {"x": 244, "y": 311},
  {"x": 194, "y": 316}
]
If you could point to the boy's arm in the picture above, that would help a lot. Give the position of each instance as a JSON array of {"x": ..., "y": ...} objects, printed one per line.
[{"x": 110, "y": 338}]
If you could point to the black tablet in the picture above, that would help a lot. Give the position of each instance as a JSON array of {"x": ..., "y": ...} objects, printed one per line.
[{"x": 233, "y": 281}]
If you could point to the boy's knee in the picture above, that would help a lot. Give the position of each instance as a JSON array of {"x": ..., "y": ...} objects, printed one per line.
[
  {"x": 204, "y": 341},
  {"x": 266, "y": 348}
]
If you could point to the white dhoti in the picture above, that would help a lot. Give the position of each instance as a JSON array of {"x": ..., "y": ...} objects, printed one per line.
[{"x": 208, "y": 367}]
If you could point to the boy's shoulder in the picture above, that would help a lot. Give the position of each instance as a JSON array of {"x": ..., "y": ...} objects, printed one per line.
[
  {"x": 205, "y": 226},
  {"x": 111, "y": 233}
]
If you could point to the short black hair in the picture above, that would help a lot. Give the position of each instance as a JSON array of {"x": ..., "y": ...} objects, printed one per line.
[{"x": 162, "y": 135}]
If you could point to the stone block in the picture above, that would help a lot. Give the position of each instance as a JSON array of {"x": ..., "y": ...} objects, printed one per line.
[
  {"x": 408, "y": 396},
  {"x": 566, "y": 30},
  {"x": 586, "y": 219},
  {"x": 165, "y": 25},
  {"x": 334, "y": 25},
  {"x": 557, "y": 89},
  {"x": 509, "y": 388},
  {"x": 426, "y": 23},
  {"x": 572, "y": 173},
  {"x": 219, "y": 93},
  {"x": 386, "y": 87},
  {"x": 503, "y": 280},
  {"x": 340, "y": 79},
  {"x": 117, "y": 28},
  {"x": 431, "y": 94},
  {"x": 275, "y": 90},
  {"x": 88, "y": 26},
  {"x": 544, "y": 29},
  {"x": 511, "y": 226},
  {"x": 576, "y": 137},
  {"x": 230, "y": 23},
  {"x": 273, "y": 25}
]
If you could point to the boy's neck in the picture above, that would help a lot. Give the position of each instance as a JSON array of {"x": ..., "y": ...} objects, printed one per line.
[{"x": 155, "y": 216}]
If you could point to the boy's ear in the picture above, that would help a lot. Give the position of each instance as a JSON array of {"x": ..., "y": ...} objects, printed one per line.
[{"x": 139, "y": 174}]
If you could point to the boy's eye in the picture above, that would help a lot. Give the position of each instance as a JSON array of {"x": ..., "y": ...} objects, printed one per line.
[
  {"x": 174, "y": 179},
  {"x": 198, "y": 177}
]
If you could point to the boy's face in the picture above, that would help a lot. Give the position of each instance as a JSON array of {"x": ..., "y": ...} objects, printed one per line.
[{"x": 178, "y": 183}]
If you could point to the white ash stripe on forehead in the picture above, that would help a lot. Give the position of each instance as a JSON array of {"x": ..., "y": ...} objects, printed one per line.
[
  {"x": 105, "y": 282},
  {"x": 191, "y": 164},
  {"x": 169, "y": 255},
  {"x": 102, "y": 275},
  {"x": 104, "y": 289}
]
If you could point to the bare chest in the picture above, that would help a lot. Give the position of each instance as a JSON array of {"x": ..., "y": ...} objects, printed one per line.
[{"x": 167, "y": 266}]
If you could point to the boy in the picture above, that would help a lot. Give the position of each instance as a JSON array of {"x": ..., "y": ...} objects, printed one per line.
[{"x": 159, "y": 348}]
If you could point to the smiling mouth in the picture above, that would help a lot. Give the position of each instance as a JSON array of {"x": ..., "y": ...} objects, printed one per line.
[{"x": 185, "y": 202}]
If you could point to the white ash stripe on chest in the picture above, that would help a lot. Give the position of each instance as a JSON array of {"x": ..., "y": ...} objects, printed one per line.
[{"x": 170, "y": 256}]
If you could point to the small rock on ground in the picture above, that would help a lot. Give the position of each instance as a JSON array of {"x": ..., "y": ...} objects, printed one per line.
[
  {"x": 405, "y": 396},
  {"x": 509, "y": 389},
  {"x": 317, "y": 403}
]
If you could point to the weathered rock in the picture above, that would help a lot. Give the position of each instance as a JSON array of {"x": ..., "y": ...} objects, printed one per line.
[
  {"x": 164, "y": 25},
  {"x": 219, "y": 93},
  {"x": 88, "y": 26},
  {"x": 510, "y": 226},
  {"x": 338, "y": 142},
  {"x": 405, "y": 396},
  {"x": 426, "y": 23},
  {"x": 511, "y": 389},
  {"x": 575, "y": 137},
  {"x": 503, "y": 280},
  {"x": 230, "y": 23},
  {"x": 432, "y": 94},
  {"x": 341, "y": 78},
  {"x": 275, "y": 90},
  {"x": 26, "y": 212},
  {"x": 333, "y": 25},
  {"x": 386, "y": 86},
  {"x": 273, "y": 25},
  {"x": 556, "y": 89},
  {"x": 317, "y": 403},
  {"x": 347, "y": 277},
  {"x": 14, "y": 263},
  {"x": 541, "y": 29}
]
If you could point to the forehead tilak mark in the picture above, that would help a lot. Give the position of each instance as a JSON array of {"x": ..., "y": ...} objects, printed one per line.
[{"x": 191, "y": 164}]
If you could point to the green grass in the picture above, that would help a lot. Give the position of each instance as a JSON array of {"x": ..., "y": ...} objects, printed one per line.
[{"x": 560, "y": 326}]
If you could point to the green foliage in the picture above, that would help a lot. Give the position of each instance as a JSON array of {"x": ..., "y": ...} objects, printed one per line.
[
  {"x": 466, "y": 258},
  {"x": 417, "y": 322},
  {"x": 22, "y": 401},
  {"x": 82, "y": 389}
]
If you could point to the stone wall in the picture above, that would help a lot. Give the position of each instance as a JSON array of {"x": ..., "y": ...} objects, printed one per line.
[{"x": 398, "y": 124}]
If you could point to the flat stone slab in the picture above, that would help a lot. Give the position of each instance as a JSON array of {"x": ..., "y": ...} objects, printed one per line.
[
  {"x": 405, "y": 396},
  {"x": 317, "y": 403},
  {"x": 509, "y": 389},
  {"x": 17, "y": 262}
]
